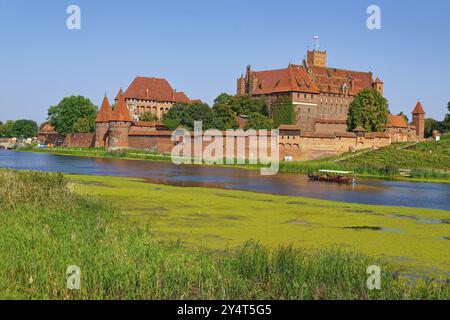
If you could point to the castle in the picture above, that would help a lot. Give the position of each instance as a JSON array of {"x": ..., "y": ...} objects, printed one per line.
[
  {"x": 115, "y": 129},
  {"x": 153, "y": 95},
  {"x": 321, "y": 96}
]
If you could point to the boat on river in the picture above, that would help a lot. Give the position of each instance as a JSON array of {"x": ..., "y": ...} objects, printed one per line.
[{"x": 344, "y": 177}]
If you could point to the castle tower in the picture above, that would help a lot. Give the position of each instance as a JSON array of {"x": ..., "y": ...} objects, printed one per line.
[
  {"x": 316, "y": 58},
  {"x": 378, "y": 86},
  {"x": 241, "y": 86},
  {"x": 119, "y": 125},
  {"x": 102, "y": 124},
  {"x": 419, "y": 120}
]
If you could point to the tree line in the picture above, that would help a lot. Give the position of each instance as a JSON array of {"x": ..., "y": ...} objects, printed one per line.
[
  {"x": 223, "y": 115},
  {"x": 436, "y": 125},
  {"x": 21, "y": 129}
]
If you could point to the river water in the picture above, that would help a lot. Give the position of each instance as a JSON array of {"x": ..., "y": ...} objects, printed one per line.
[{"x": 366, "y": 191}]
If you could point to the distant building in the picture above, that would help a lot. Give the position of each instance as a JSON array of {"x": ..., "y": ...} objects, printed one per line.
[
  {"x": 419, "y": 120},
  {"x": 47, "y": 134},
  {"x": 401, "y": 131},
  {"x": 151, "y": 95},
  {"x": 321, "y": 95}
]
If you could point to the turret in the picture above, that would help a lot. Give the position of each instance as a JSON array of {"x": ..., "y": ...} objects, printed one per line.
[
  {"x": 378, "y": 86},
  {"x": 241, "y": 86},
  {"x": 418, "y": 120},
  {"x": 316, "y": 58},
  {"x": 119, "y": 125},
  {"x": 102, "y": 124}
]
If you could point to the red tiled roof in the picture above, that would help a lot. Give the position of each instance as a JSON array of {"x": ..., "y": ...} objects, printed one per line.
[
  {"x": 331, "y": 80},
  {"x": 345, "y": 134},
  {"x": 373, "y": 135},
  {"x": 105, "y": 111},
  {"x": 150, "y": 124},
  {"x": 47, "y": 128},
  {"x": 156, "y": 89},
  {"x": 134, "y": 132},
  {"x": 418, "y": 109},
  {"x": 331, "y": 121},
  {"x": 398, "y": 121},
  {"x": 119, "y": 94},
  {"x": 181, "y": 97},
  {"x": 296, "y": 78},
  {"x": 120, "y": 112},
  {"x": 293, "y": 78},
  {"x": 317, "y": 135},
  {"x": 289, "y": 127}
]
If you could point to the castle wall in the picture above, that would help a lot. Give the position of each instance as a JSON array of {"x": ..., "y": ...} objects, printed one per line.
[
  {"x": 399, "y": 134},
  {"x": 101, "y": 134},
  {"x": 333, "y": 106},
  {"x": 118, "y": 135},
  {"x": 330, "y": 127},
  {"x": 160, "y": 143},
  {"x": 307, "y": 146},
  {"x": 80, "y": 140},
  {"x": 139, "y": 107}
]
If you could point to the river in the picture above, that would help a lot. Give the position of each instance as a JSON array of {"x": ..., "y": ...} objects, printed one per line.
[{"x": 366, "y": 191}]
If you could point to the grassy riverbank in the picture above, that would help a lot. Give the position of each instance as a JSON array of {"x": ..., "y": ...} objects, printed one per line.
[
  {"x": 426, "y": 161},
  {"x": 49, "y": 223}
]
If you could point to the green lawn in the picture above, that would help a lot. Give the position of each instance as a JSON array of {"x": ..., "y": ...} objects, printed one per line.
[
  {"x": 217, "y": 219},
  {"x": 171, "y": 243}
]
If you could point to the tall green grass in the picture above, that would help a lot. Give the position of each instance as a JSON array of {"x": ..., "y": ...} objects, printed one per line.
[{"x": 46, "y": 227}]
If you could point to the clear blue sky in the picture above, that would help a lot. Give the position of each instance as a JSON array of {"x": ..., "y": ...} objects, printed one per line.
[{"x": 201, "y": 47}]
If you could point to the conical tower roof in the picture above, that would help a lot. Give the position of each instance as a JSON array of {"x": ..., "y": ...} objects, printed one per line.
[
  {"x": 105, "y": 112},
  {"x": 378, "y": 80},
  {"x": 121, "y": 112},
  {"x": 418, "y": 109}
]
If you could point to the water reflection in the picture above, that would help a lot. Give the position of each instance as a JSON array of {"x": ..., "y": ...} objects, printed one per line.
[{"x": 367, "y": 191}]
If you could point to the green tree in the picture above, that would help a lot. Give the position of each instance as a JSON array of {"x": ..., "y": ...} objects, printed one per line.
[
  {"x": 83, "y": 125},
  {"x": 6, "y": 130},
  {"x": 148, "y": 116},
  {"x": 258, "y": 121},
  {"x": 175, "y": 116},
  {"x": 224, "y": 117},
  {"x": 368, "y": 109},
  {"x": 199, "y": 112},
  {"x": 25, "y": 129},
  {"x": 243, "y": 105},
  {"x": 432, "y": 125},
  {"x": 283, "y": 112},
  {"x": 182, "y": 114},
  {"x": 447, "y": 119},
  {"x": 65, "y": 117}
]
